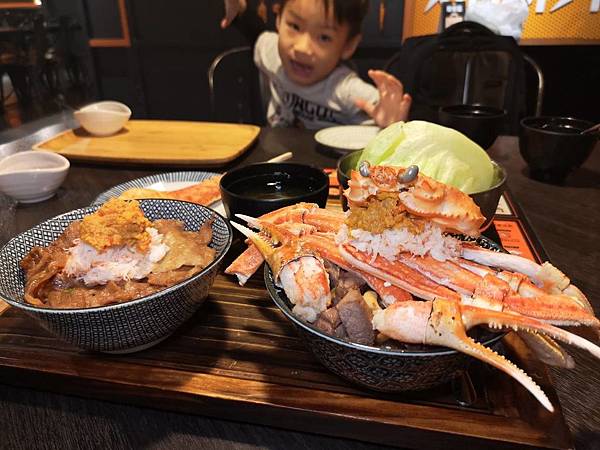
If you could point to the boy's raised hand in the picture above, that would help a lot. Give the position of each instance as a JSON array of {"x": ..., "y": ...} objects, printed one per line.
[
  {"x": 393, "y": 105},
  {"x": 232, "y": 9}
]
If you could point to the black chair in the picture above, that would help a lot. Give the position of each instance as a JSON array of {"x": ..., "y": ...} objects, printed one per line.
[
  {"x": 467, "y": 63},
  {"x": 237, "y": 93},
  {"x": 538, "y": 84},
  {"x": 36, "y": 71}
]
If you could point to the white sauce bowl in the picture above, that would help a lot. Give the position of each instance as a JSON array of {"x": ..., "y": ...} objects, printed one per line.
[
  {"x": 32, "y": 176},
  {"x": 103, "y": 118}
]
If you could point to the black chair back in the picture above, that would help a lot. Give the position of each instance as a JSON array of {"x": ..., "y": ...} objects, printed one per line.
[
  {"x": 465, "y": 64},
  {"x": 236, "y": 94}
]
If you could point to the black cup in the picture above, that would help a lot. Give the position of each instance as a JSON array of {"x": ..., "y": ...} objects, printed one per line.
[
  {"x": 257, "y": 189},
  {"x": 553, "y": 146},
  {"x": 482, "y": 124}
]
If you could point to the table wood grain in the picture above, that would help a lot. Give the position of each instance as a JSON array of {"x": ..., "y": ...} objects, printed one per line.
[{"x": 565, "y": 219}]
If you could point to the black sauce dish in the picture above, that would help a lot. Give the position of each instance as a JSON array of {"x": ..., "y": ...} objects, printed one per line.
[
  {"x": 257, "y": 189},
  {"x": 482, "y": 124},
  {"x": 552, "y": 146}
]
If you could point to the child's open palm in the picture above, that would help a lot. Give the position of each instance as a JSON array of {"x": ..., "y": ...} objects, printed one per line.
[{"x": 393, "y": 105}]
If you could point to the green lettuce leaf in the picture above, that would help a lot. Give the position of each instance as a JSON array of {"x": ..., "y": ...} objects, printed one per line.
[{"x": 441, "y": 153}]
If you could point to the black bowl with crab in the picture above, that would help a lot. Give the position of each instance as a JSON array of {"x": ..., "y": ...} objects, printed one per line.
[{"x": 388, "y": 368}]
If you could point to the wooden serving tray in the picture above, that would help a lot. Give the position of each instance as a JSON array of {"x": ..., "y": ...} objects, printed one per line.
[
  {"x": 157, "y": 142},
  {"x": 239, "y": 358}
]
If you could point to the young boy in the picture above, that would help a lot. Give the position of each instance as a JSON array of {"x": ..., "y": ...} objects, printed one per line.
[{"x": 309, "y": 85}]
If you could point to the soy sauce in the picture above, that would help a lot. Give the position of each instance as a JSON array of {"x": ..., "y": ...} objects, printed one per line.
[{"x": 277, "y": 185}]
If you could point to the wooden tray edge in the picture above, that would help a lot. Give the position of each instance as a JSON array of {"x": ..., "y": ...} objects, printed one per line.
[{"x": 173, "y": 162}]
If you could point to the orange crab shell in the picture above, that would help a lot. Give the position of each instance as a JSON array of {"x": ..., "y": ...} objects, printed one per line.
[{"x": 423, "y": 197}]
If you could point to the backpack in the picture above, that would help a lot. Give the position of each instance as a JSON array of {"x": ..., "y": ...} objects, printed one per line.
[{"x": 465, "y": 64}]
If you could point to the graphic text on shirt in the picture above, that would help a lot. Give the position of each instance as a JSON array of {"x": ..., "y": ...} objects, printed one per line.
[{"x": 310, "y": 111}]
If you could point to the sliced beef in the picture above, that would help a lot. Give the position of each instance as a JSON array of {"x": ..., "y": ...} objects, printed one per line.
[
  {"x": 356, "y": 317},
  {"x": 329, "y": 322},
  {"x": 346, "y": 282}
]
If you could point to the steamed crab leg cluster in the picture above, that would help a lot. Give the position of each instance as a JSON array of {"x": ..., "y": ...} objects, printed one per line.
[{"x": 395, "y": 237}]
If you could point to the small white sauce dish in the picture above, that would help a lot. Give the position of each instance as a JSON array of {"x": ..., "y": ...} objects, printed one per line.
[
  {"x": 32, "y": 176},
  {"x": 103, "y": 118}
]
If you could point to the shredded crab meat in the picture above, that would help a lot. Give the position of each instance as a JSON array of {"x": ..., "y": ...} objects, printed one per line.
[
  {"x": 123, "y": 262},
  {"x": 392, "y": 242}
]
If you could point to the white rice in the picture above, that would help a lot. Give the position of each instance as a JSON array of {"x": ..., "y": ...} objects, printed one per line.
[
  {"x": 86, "y": 264},
  {"x": 392, "y": 242}
]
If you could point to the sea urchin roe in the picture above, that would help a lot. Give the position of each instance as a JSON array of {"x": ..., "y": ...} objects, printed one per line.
[
  {"x": 383, "y": 214},
  {"x": 117, "y": 222}
]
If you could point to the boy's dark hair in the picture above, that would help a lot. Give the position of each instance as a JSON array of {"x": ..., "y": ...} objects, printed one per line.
[{"x": 351, "y": 12}]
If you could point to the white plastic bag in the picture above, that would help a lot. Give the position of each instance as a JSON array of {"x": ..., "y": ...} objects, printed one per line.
[{"x": 505, "y": 17}]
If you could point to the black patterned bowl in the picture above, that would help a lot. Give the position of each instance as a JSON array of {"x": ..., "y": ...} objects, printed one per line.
[
  {"x": 379, "y": 368},
  {"x": 124, "y": 327}
]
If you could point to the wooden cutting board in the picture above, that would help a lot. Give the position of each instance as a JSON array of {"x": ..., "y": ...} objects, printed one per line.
[{"x": 157, "y": 142}]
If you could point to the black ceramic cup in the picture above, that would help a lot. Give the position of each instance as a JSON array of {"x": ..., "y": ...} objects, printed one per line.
[
  {"x": 481, "y": 124},
  {"x": 553, "y": 146},
  {"x": 257, "y": 189}
]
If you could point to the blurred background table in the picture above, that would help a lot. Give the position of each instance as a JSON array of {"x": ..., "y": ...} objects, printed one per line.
[{"x": 565, "y": 218}]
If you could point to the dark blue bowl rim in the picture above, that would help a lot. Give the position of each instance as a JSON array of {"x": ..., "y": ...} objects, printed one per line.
[
  {"x": 459, "y": 111},
  {"x": 313, "y": 169},
  {"x": 91, "y": 208},
  {"x": 281, "y": 304},
  {"x": 525, "y": 124}
]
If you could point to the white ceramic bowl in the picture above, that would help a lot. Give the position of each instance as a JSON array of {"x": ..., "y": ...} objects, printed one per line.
[
  {"x": 32, "y": 176},
  {"x": 103, "y": 118}
]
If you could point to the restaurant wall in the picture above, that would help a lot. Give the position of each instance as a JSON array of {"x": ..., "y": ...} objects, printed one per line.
[{"x": 163, "y": 74}]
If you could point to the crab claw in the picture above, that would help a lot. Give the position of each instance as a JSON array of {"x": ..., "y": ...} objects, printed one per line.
[
  {"x": 444, "y": 322},
  {"x": 547, "y": 350}
]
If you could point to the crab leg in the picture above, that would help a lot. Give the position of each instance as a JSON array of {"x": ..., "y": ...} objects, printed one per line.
[
  {"x": 397, "y": 274},
  {"x": 513, "y": 292},
  {"x": 301, "y": 274},
  {"x": 309, "y": 214},
  {"x": 445, "y": 322},
  {"x": 545, "y": 276}
]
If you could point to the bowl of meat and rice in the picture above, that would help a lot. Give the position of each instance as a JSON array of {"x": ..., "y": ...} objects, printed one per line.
[{"x": 95, "y": 311}]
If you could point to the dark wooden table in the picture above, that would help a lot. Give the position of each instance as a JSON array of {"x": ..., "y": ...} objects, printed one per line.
[{"x": 565, "y": 218}]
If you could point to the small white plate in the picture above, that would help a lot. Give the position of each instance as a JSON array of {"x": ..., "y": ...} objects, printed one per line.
[{"x": 347, "y": 137}]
